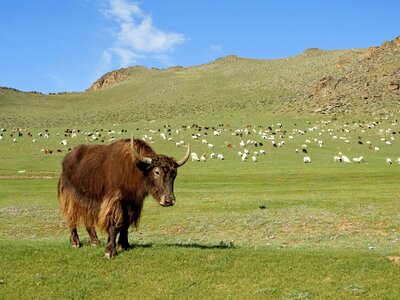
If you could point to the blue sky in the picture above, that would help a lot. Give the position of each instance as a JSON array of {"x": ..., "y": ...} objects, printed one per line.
[{"x": 55, "y": 46}]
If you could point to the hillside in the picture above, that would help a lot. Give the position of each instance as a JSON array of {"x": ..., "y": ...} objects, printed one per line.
[{"x": 355, "y": 81}]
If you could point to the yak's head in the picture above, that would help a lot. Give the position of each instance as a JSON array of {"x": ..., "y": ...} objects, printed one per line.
[{"x": 161, "y": 171}]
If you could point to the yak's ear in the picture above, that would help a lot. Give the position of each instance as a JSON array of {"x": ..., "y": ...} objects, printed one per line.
[{"x": 144, "y": 167}]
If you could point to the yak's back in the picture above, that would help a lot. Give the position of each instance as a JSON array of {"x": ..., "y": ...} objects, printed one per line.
[{"x": 93, "y": 170}]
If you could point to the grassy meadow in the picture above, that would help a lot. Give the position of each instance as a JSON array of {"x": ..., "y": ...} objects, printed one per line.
[{"x": 273, "y": 229}]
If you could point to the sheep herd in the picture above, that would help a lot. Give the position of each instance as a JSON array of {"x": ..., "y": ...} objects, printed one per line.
[{"x": 353, "y": 142}]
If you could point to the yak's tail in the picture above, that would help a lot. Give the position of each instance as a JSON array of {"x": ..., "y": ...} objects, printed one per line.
[{"x": 73, "y": 209}]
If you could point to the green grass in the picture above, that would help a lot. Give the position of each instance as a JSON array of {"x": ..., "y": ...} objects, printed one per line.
[
  {"x": 278, "y": 228},
  {"x": 52, "y": 270}
]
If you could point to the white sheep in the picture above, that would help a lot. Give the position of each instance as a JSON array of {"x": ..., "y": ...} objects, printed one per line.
[
  {"x": 306, "y": 159},
  {"x": 220, "y": 157},
  {"x": 358, "y": 160},
  {"x": 262, "y": 152},
  {"x": 337, "y": 158},
  {"x": 254, "y": 158},
  {"x": 194, "y": 157},
  {"x": 213, "y": 155},
  {"x": 388, "y": 161},
  {"x": 345, "y": 159},
  {"x": 203, "y": 158}
]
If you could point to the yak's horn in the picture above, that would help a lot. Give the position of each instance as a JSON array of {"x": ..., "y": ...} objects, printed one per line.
[
  {"x": 184, "y": 159},
  {"x": 139, "y": 157}
]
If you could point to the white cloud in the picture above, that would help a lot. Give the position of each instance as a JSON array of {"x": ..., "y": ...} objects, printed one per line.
[
  {"x": 123, "y": 11},
  {"x": 137, "y": 38}
]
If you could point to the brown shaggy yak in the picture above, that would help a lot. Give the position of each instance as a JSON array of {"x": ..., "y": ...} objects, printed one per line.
[{"x": 105, "y": 186}]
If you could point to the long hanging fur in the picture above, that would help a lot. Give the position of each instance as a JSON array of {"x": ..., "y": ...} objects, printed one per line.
[{"x": 101, "y": 183}]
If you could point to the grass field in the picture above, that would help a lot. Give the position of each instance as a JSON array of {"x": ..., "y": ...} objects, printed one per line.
[{"x": 275, "y": 229}]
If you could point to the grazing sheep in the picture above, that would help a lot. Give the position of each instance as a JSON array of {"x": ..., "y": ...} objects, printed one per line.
[
  {"x": 213, "y": 155},
  {"x": 388, "y": 161},
  {"x": 345, "y": 159},
  {"x": 194, "y": 157},
  {"x": 306, "y": 159},
  {"x": 358, "y": 160},
  {"x": 337, "y": 158},
  {"x": 220, "y": 157},
  {"x": 262, "y": 152},
  {"x": 254, "y": 158},
  {"x": 203, "y": 158}
]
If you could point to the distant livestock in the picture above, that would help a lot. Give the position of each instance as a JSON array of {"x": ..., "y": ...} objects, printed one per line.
[
  {"x": 105, "y": 185},
  {"x": 306, "y": 159}
]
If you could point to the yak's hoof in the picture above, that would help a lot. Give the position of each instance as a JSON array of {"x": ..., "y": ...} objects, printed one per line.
[
  {"x": 123, "y": 248},
  {"x": 75, "y": 246},
  {"x": 94, "y": 244},
  {"x": 107, "y": 255}
]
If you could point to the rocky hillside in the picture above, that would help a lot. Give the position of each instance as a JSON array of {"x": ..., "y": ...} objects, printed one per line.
[
  {"x": 364, "y": 80},
  {"x": 317, "y": 81}
]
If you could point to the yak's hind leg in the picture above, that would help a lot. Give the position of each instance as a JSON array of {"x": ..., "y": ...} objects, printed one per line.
[
  {"x": 93, "y": 239},
  {"x": 74, "y": 238},
  {"x": 90, "y": 221},
  {"x": 69, "y": 209}
]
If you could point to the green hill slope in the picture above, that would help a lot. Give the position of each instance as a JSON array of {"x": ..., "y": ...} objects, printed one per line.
[{"x": 357, "y": 81}]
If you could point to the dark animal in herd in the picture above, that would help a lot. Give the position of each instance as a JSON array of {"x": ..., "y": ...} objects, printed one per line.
[{"x": 105, "y": 186}]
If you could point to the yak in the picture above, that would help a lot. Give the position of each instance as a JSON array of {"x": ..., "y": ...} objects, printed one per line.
[{"x": 105, "y": 186}]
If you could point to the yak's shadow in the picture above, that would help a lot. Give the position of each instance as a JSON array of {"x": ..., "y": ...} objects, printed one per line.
[{"x": 183, "y": 245}]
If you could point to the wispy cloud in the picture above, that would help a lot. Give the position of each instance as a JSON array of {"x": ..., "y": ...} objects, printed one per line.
[
  {"x": 137, "y": 39},
  {"x": 214, "y": 52}
]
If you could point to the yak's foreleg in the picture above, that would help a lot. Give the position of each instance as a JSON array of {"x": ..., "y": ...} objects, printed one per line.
[
  {"x": 110, "y": 250},
  {"x": 123, "y": 243}
]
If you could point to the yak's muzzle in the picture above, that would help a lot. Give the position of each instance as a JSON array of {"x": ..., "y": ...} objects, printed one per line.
[{"x": 167, "y": 200}]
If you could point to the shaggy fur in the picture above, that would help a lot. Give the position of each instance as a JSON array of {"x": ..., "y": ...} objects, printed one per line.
[{"x": 105, "y": 186}]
